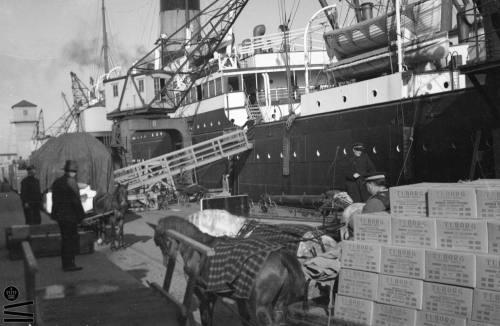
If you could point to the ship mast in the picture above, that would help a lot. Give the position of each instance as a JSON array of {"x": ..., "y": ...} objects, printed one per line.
[
  {"x": 397, "y": 4},
  {"x": 105, "y": 46}
]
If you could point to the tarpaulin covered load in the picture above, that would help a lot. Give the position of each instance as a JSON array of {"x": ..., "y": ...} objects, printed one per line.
[{"x": 95, "y": 166}]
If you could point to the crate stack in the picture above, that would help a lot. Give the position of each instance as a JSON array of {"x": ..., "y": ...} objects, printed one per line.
[{"x": 434, "y": 261}]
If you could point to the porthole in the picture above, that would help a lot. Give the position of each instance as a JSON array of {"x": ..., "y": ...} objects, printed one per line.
[
  {"x": 318, "y": 103},
  {"x": 344, "y": 99},
  {"x": 374, "y": 92},
  {"x": 446, "y": 84}
]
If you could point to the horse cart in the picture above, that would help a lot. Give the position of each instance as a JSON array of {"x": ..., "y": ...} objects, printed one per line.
[{"x": 258, "y": 269}]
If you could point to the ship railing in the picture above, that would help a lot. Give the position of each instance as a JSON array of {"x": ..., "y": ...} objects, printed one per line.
[
  {"x": 274, "y": 42},
  {"x": 280, "y": 95},
  {"x": 149, "y": 172}
]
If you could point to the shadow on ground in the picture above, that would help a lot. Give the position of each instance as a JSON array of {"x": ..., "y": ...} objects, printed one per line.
[{"x": 130, "y": 238}]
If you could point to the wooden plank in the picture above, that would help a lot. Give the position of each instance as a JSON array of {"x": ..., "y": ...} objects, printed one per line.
[{"x": 203, "y": 249}]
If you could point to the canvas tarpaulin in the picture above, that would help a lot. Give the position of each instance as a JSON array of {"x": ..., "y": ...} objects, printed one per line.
[{"x": 95, "y": 166}]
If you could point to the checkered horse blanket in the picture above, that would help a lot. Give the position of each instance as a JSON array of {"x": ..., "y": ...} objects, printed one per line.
[
  {"x": 288, "y": 235},
  {"x": 236, "y": 263}
]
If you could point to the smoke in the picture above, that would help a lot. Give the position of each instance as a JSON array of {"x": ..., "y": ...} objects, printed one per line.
[
  {"x": 88, "y": 52},
  {"x": 83, "y": 52}
]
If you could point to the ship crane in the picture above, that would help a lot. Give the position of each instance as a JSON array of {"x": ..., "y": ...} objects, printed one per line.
[
  {"x": 70, "y": 121},
  {"x": 189, "y": 63}
]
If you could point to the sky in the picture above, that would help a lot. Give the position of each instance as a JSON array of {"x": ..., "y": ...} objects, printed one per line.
[{"x": 42, "y": 41}]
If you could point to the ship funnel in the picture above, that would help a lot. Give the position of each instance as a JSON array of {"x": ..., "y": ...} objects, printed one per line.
[
  {"x": 173, "y": 15},
  {"x": 259, "y": 30},
  {"x": 367, "y": 10}
]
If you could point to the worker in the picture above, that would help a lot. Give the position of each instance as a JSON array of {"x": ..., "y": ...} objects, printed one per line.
[
  {"x": 31, "y": 197},
  {"x": 360, "y": 165},
  {"x": 68, "y": 211},
  {"x": 379, "y": 200}
]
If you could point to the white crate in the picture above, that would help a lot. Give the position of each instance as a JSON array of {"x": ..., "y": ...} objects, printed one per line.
[
  {"x": 402, "y": 261},
  {"x": 453, "y": 201},
  {"x": 373, "y": 227},
  {"x": 358, "y": 284},
  {"x": 494, "y": 237},
  {"x": 360, "y": 255},
  {"x": 425, "y": 318},
  {"x": 462, "y": 235},
  {"x": 354, "y": 309},
  {"x": 478, "y": 323},
  {"x": 388, "y": 315},
  {"x": 486, "y": 306},
  {"x": 488, "y": 202},
  {"x": 488, "y": 272},
  {"x": 450, "y": 267},
  {"x": 448, "y": 299},
  {"x": 409, "y": 200},
  {"x": 400, "y": 291},
  {"x": 414, "y": 232}
]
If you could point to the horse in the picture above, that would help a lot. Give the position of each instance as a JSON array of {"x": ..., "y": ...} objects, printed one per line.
[
  {"x": 116, "y": 203},
  {"x": 278, "y": 282}
]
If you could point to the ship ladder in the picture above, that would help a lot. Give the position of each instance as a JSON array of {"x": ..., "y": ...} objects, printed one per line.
[{"x": 147, "y": 173}]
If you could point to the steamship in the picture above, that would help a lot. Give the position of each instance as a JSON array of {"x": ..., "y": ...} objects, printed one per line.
[{"x": 417, "y": 86}]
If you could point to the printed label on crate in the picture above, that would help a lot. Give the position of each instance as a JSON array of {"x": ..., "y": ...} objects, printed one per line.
[
  {"x": 494, "y": 237},
  {"x": 414, "y": 231},
  {"x": 452, "y": 202},
  {"x": 462, "y": 235},
  {"x": 448, "y": 299},
  {"x": 488, "y": 202},
  {"x": 387, "y": 315},
  {"x": 401, "y": 261},
  {"x": 400, "y": 291},
  {"x": 488, "y": 272},
  {"x": 477, "y": 323},
  {"x": 408, "y": 201},
  {"x": 361, "y": 255},
  {"x": 354, "y": 309},
  {"x": 374, "y": 228},
  {"x": 486, "y": 306},
  {"x": 450, "y": 267},
  {"x": 426, "y": 318},
  {"x": 358, "y": 284}
]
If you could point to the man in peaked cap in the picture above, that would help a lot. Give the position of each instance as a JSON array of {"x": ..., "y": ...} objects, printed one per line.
[
  {"x": 68, "y": 211},
  {"x": 360, "y": 165},
  {"x": 31, "y": 197},
  {"x": 379, "y": 200}
]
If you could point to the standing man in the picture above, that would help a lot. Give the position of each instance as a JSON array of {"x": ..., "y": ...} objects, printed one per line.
[
  {"x": 379, "y": 200},
  {"x": 360, "y": 165},
  {"x": 31, "y": 197},
  {"x": 68, "y": 211}
]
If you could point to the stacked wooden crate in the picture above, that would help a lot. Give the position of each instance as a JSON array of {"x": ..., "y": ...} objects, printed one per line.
[{"x": 434, "y": 261}]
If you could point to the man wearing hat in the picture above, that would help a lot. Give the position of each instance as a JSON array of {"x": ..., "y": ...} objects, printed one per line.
[
  {"x": 31, "y": 197},
  {"x": 379, "y": 200},
  {"x": 68, "y": 211},
  {"x": 360, "y": 165}
]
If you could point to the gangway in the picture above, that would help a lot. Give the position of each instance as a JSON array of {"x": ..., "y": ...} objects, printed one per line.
[{"x": 165, "y": 167}]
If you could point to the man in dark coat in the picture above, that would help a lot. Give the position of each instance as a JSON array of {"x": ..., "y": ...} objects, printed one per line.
[
  {"x": 68, "y": 211},
  {"x": 379, "y": 200},
  {"x": 360, "y": 164},
  {"x": 31, "y": 197}
]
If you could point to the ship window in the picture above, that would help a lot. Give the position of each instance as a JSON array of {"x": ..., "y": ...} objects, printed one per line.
[
  {"x": 344, "y": 99},
  {"x": 115, "y": 90},
  {"x": 199, "y": 94},
  {"x": 374, "y": 92},
  {"x": 218, "y": 86},
  {"x": 205, "y": 90},
  {"x": 446, "y": 84},
  {"x": 233, "y": 84},
  {"x": 211, "y": 88},
  {"x": 141, "y": 85}
]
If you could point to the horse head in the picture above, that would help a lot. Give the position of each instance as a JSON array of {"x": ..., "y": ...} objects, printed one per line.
[{"x": 121, "y": 195}]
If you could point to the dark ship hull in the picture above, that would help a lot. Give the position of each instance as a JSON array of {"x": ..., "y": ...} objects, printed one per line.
[{"x": 428, "y": 138}]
